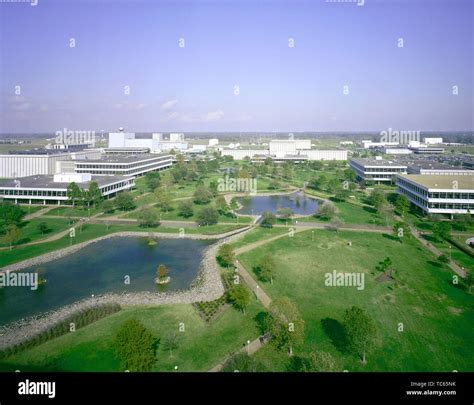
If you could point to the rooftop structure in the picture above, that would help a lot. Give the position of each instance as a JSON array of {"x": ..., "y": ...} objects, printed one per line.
[{"x": 377, "y": 170}]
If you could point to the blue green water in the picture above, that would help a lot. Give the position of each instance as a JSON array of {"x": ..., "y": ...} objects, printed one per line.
[
  {"x": 101, "y": 268},
  {"x": 298, "y": 202}
]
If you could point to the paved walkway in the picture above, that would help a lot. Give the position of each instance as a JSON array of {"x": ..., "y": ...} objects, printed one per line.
[
  {"x": 37, "y": 213},
  {"x": 249, "y": 348}
]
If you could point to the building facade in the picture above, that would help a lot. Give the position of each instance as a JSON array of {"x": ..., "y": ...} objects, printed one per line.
[
  {"x": 438, "y": 194},
  {"x": 377, "y": 171}
]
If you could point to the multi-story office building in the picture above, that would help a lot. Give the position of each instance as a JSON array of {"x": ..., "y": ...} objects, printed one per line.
[
  {"x": 118, "y": 165},
  {"x": 155, "y": 144},
  {"x": 52, "y": 190},
  {"x": 377, "y": 170},
  {"x": 40, "y": 162},
  {"x": 434, "y": 167},
  {"x": 438, "y": 194}
]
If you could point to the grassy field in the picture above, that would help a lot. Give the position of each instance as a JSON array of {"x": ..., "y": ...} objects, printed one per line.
[
  {"x": 437, "y": 316},
  {"x": 30, "y": 232},
  {"x": 200, "y": 347}
]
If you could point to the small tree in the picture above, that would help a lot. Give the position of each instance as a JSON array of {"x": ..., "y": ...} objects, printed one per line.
[
  {"x": 285, "y": 213},
  {"x": 221, "y": 205},
  {"x": 107, "y": 206},
  {"x": 443, "y": 259},
  {"x": 327, "y": 210},
  {"x": 202, "y": 195},
  {"x": 335, "y": 224},
  {"x": 152, "y": 180},
  {"x": 402, "y": 204},
  {"x": 73, "y": 193},
  {"x": 43, "y": 227},
  {"x": 266, "y": 268},
  {"x": 165, "y": 199},
  {"x": 93, "y": 194},
  {"x": 360, "y": 330},
  {"x": 171, "y": 342},
  {"x": 135, "y": 346},
  {"x": 241, "y": 362},
  {"x": 207, "y": 216},
  {"x": 161, "y": 271},
  {"x": 12, "y": 235},
  {"x": 469, "y": 280},
  {"x": 240, "y": 297},
  {"x": 148, "y": 217},
  {"x": 226, "y": 254},
  {"x": 268, "y": 220},
  {"x": 185, "y": 208},
  {"x": 442, "y": 230},
  {"x": 124, "y": 201}
]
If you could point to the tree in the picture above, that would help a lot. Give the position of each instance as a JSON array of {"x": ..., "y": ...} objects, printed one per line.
[
  {"x": 171, "y": 342},
  {"x": 147, "y": 217},
  {"x": 327, "y": 210},
  {"x": 341, "y": 194},
  {"x": 243, "y": 363},
  {"x": 402, "y": 204},
  {"x": 185, "y": 208},
  {"x": 73, "y": 193},
  {"x": 12, "y": 235},
  {"x": 152, "y": 180},
  {"x": 268, "y": 220},
  {"x": 335, "y": 224},
  {"x": 207, "y": 216},
  {"x": 443, "y": 259},
  {"x": 266, "y": 268},
  {"x": 161, "y": 271},
  {"x": 43, "y": 227},
  {"x": 442, "y": 230},
  {"x": 221, "y": 205},
  {"x": 385, "y": 265},
  {"x": 240, "y": 297},
  {"x": 202, "y": 195},
  {"x": 165, "y": 199},
  {"x": 285, "y": 213},
  {"x": 400, "y": 230},
  {"x": 93, "y": 194},
  {"x": 10, "y": 214},
  {"x": 135, "y": 346},
  {"x": 360, "y": 330},
  {"x": 287, "y": 325},
  {"x": 107, "y": 206},
  {"x": 124, "y": 201},
  {"x": 226, "y": 254},
  {"x": 317, "y": 361},
  {"x": 377, "y": 198}
]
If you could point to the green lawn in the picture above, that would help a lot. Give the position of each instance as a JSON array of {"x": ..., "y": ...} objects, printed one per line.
[
  {"x": 201, "y": 346},
  {"x": 74, "y": 212},
  {"x": 30, "y": 233},
  {"x": 461, "y": 258},
  {"x": 436, "y": 315}
]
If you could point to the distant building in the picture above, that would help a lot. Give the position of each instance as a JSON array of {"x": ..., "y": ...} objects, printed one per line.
[
  {"x": 437, "y": 168},
  {"x": 155, "y": 144},
  {"x": 396, "y": 151},
  {"x": 377, "y": 170},
  {"x": 49, "y": 190},
  {"x": 213, "y": 142},
  {"x": 370, "y": 144},
  {"x": 439, "y": 194},
  {"x": 427, "y": 150},
  {"x": 432, "y": 141},
  {"x": 177, "y": 137}
]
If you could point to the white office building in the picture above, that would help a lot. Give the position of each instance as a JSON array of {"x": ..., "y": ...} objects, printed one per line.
[
  {"x": 52, "y": 189},
  {"x": 438, "y": 194},
  {"x": 155, "y": 144},
  {"x": 432, "y": 141},
  {"x": 213, "y": 142},
  {"x": 26, "y": 164},
  {"x": 377, "y": 170}
]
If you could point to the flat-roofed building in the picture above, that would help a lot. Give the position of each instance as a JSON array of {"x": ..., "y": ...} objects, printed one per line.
[
  {"x": 377, "y": 170},
  {"x": 239, "y": 154},
  {"x": 133, "y": 165},
  {"x": 432, "y": 141},
  {"x": 321, "y": 154},
  {"x": 52, "y": 190},
  {"x": 438, "y": 168},
  {"x": 40, "y": 162},
  {"x": 438, "y": 194}
]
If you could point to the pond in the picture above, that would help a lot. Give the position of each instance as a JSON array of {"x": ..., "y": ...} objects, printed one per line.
[
  {"x": 101, "y": 268},
  {"x": 298, "y": 202}
]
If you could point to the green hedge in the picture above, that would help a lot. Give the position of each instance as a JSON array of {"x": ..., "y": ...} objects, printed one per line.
[{"x": 80, "y": 319}]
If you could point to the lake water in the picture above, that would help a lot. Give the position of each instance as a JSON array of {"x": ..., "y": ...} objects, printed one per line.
[
  {"x": 100, "y": 268},
  {"x": 298, "y": 202}
]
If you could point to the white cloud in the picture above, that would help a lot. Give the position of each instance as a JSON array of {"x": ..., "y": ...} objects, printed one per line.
[
  {"x": 208, "y": 117},
  {"x": 168, "y": 105}
]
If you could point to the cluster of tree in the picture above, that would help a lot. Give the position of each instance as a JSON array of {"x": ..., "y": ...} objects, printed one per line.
[
  {"x": 240, "y": 297},
  {"x": 148, "y": 217},
  {"x": 85, "y": 197},
  {"x": 124, "y": 201},
  {"x": 268, "y": 220},
  {"x": 135, "y": 346},
  {"x": 226, "y": 255},
  {"x": 11, "y": 217},
  {"x": 243, "y": 363},
  {"x": 326, "y": 211},
  {"x": 265, "y": 269},
  {"x": 318, "y": 361},
  {"x": 207, "y": 216}
]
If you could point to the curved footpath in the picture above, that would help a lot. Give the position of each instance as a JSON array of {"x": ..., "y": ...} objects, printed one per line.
[{"x": 206, "y": 287}]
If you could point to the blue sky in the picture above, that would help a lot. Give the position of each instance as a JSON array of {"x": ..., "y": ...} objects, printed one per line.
[{"x": 236, "y": 43}]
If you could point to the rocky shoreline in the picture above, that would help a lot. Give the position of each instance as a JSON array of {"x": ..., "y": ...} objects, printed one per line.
[{"x": 206, "y": 287}]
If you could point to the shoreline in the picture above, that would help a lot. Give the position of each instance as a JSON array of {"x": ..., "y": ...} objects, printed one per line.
[{"x": 207, "y": 286}]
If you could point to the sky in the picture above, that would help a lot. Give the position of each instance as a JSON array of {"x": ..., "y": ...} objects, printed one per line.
[{"x": 236, "y": 65}]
